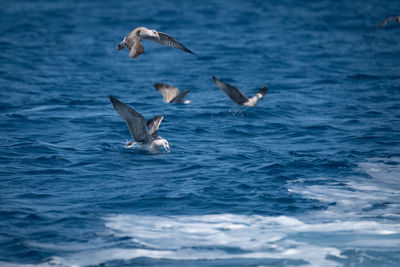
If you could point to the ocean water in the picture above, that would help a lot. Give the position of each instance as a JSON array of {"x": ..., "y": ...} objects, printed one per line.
[{"x": 309, "y": 177}]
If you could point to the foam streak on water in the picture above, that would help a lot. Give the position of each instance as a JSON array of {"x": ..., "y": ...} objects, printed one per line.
[{"x": 352, "y": 229}]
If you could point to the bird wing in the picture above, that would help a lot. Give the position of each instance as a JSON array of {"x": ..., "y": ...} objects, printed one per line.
[
  {"x": 136, "y": 123},
  {"x": 234, "y": 93},
  {"x": 154, "y": 123},
  {"x": 135, "y": 46},
  {"x": 180, "y": 97},
  {"x": 167, "y": 40},
  {"x": 169, "y": 92}
]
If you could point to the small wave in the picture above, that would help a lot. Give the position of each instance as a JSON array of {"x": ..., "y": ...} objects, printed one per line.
[
  {"x": 17, "y": 116},
  {"x": 34, "y": 196},
  {"x": 320, "y": 128},
  {"x": 54, "y": 160},
  {"x": 363, "y": 77},
  {"x": 50, "y": 171},
  {"x": 371, "y": 77}
]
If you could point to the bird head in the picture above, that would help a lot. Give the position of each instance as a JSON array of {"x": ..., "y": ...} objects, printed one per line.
[
  {"x": 155, "y": 34},
  {"x": 144, "y": 32},
  {"x": 166, "y": 145}
]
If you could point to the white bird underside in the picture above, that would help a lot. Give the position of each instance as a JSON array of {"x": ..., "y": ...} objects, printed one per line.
[
  {"x": 153, "y": 147},
  {"x": 145, "y": 138}
]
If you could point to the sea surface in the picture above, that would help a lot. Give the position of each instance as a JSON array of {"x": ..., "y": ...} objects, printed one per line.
[{"x": 309, "y": 177}]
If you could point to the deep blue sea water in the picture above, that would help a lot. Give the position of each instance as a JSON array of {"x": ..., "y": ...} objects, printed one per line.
[{"x": 309, "y": 177}]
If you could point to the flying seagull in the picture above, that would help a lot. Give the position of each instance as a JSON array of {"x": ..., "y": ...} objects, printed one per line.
[
  {"x": 393, "y": 18},
  {"x": 237, "y": 96},
  {"x": 148, "y": 139},
  {"x": 171, "y": 94},
  {"x": 134, "y": 38}
]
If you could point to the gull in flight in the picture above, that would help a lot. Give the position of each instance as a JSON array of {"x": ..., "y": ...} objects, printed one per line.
[
  {"x": 147, "y": 139},
  {"x": 171, "y": 94},
  {"x": 237, "y": 96},
  {"x": 393, "y": 18},
  {"x": 134, "y": 38}
]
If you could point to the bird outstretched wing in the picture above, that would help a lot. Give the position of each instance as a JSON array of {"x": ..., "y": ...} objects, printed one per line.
[
  {"x": 167, "y": 40},
  {"x": 136, "y": 123},
  {"x": 234, "y": 93}
]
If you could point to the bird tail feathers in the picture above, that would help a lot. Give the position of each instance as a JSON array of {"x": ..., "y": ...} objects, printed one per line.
[{"x": 121, "y": 45}]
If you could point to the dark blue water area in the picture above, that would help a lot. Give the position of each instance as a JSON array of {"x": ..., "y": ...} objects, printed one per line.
[{"x": 309, "y": 177}]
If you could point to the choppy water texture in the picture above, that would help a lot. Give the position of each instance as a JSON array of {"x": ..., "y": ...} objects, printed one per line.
[{"x": 310, "y": 177}]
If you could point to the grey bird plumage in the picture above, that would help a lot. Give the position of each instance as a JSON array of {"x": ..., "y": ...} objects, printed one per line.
[
  {"x": 134, "y": 41},
  {"x": 137, "y": 125},
  {"x": 237, "y": 96}
]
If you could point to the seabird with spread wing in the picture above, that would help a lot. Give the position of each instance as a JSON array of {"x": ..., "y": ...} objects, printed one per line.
[
  {"x": 147, "y": 138},
  {"x": 237, "y": 96},
  {"x": 134, "y": 41}
]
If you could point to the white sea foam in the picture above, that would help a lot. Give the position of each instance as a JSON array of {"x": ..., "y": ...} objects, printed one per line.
[
  {"x": 358, "y": 197},
  {"x": 206, "y": 237},
  {"x": 362, "y": 215},
  {"x": 383, "y": 170},
  {"x": 215, "y": 236}
]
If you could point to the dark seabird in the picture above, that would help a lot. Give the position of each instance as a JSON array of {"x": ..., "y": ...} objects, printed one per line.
[
  {"x": 237, "y": 96},
  {"x": 171, "y": 94},
  {"x": 133, "y": 41},
  {"x": 147, "y": 139},
  {"x": 383, "y": 23}
]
